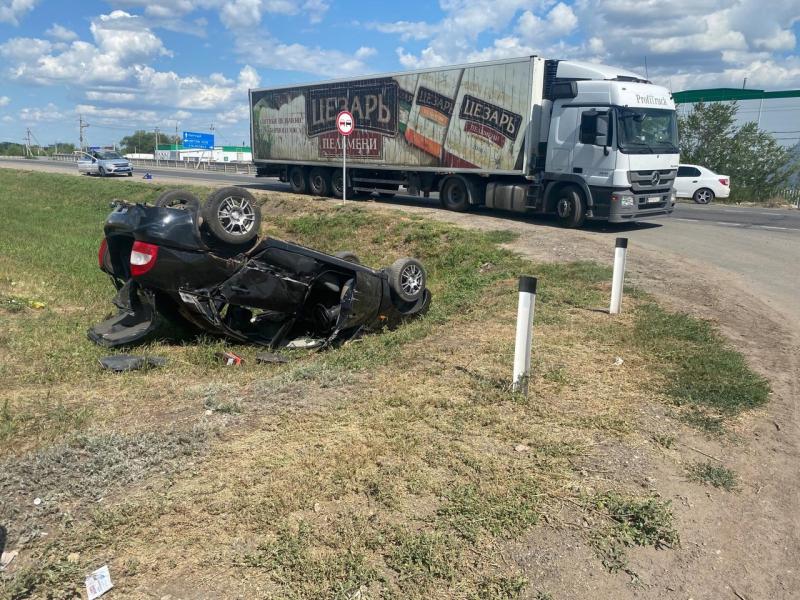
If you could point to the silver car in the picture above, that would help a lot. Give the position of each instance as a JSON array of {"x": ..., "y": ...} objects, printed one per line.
[{"x": 103, "y": 163}]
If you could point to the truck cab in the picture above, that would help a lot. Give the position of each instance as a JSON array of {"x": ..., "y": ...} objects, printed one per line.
[{"x": 613, "y": 137}]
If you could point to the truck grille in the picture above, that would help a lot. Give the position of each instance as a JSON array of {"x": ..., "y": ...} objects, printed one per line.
[{"x": 650, "y": 181}]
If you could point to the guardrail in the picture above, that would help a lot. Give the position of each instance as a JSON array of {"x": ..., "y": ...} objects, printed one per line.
[
  {"x": 239, "y": 168},
  {"x": 792, "y": 195}
]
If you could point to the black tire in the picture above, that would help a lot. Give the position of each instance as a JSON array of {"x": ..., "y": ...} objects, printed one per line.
[
  {"x": 455, "y": 194},
  {"x": 703, "y": 196},
  {"x": 407, "y": 278},
  {"x": 232, "y": 215},
  {"x": 297, "y": 180},
  {"x": 570, "y": 208},
  {"x": 336, "y": 185},
  {"x": 349, "y": 256},
  {"x": 178, "y": 199},
  {"x": 101, "y": 171},
  {"x": 130, "y": 174},
  {"x": 319, "y": 182}
]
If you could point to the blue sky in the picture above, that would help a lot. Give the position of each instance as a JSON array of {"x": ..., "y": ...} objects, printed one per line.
[{"x": 128, "y": 64}]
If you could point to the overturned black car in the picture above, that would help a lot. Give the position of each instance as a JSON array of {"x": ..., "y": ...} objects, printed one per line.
[{"x": 204, "y": 267}]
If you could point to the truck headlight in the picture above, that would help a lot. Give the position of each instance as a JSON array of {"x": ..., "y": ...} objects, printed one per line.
[{"x": 625, "y": 200}]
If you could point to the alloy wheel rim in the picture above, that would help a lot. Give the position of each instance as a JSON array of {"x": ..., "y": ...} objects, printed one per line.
[
  {"x": 236, "y": 215},
  {"x": 411, "y": 279}
]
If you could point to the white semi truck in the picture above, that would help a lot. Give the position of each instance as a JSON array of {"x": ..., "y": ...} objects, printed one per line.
[{"x": 577, "y": 140}]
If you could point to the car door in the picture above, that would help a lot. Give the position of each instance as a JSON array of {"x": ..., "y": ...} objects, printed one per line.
[{"x": 686, "y": 181}]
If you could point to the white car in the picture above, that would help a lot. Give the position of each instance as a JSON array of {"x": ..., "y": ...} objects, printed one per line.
[
  {"x": 700, "y": 184},
  {"x": 104, "y": 163}
]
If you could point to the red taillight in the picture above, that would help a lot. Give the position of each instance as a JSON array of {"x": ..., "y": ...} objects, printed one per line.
[
  {"x": 101, "y": 254},
  {"x": 143, "y": 258},
  {"x": 723, "y": 180}
]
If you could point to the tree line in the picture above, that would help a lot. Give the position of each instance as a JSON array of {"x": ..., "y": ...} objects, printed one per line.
[{"x": 759, "y": 167}]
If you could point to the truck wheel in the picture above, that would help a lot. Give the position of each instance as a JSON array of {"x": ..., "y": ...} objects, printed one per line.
[
  {"x": 178, "y": 199},
  {"x": 703, "y": 196},
  {"x": 297, "y": 180},
  {"x": 569, "y": 207},
  {"x": 407, "y": 278},
  {"x": 349, "y": 256},
  {"x": 455, "y": 194},
  {"x": 336, "y": 185},
  {"x": 319, "y": 182},
  {"x": 232, "y": 215}
]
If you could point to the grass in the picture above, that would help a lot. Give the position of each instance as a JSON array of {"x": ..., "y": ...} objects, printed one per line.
[
  {"x": 702, "y": 371},
  {"x": 713, "y": 474},
  {"x": 387, "y": 468}
]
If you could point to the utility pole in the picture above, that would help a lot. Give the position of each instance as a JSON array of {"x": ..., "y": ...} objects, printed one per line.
[
  {"x": 82, "y": 125},
  {"x": 155, "y": 152},
  {"x": 28, "y": 151}
]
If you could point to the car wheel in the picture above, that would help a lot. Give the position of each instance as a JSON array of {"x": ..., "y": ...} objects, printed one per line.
[
  {"x": 569, "y": 207},
  {"x": 232, "y": 215},
  {"x": 349, "y": 256},
  {"x": 130, "y": 174},
  {"x": 407, "y": 278},
  {"x": 703, "y": 196},
  {"x": 455, "y": 194},
  {"x": 102, "y": 172},
  {"x": 319, "y": 182},
  {"x": 178, "y": 199},
  {"x": 297, "y": 180}
]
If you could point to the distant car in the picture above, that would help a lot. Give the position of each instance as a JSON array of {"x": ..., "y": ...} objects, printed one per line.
[
  {"x": 700, "y": 184},
  {"x": 103, "y": 163}
]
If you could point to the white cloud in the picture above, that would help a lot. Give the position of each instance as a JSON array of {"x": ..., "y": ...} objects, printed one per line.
[
  {"x": 4, "y": 100},
  {"x": 11, "y": 11},
  {"x": 61, "y": 33},
  {"x": 41, "y": 115},
  {"x": 264, "y": 50}
]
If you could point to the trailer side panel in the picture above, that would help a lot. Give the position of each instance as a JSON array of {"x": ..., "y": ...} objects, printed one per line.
[{"x": 472, "y": 118}]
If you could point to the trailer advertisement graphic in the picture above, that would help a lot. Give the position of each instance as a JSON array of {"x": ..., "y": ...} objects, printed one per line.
[{"x": 465, "y": 118}]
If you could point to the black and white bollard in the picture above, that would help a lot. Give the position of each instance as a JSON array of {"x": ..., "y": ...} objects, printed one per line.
[
  {"x": 618, "y": 280},
  {"x": 522, "y": 347}
]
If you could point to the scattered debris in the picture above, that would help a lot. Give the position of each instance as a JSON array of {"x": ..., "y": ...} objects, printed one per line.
[
  {"x": 229, "y": 359},
  {"x": 521, "y": 448},
  {"x": 304, "y": 342},
  {"x": 618, "y": 361},
  {"x": 36, "y": 304},
  {"x": 37, "y": 501},
  {"x": 73, "y": 557},
  {"x": 7, "y": 557},
  {"x": 270, "y": 357},
  {"x": 777, "y": 425},
  {"x": 147, "y": 175},
  {"x": 98, "y": 583},
  {"x": 129, "y": 362}
]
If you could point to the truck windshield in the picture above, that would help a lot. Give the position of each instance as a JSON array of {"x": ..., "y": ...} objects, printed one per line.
[{"x": 647, "y": 130}]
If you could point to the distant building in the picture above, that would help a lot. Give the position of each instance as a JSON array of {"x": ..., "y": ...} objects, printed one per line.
[{"x": 218, "y": 154}]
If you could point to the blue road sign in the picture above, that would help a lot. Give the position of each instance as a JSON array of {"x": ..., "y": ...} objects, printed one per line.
[{"x": 192, "y": 139}]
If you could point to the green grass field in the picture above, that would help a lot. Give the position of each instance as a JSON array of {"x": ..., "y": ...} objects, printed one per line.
[{"x": 398, "y": 466}]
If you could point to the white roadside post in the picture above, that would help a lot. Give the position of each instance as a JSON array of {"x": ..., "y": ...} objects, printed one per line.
[
  {"x": 618, "y": 280},
  {"x": 346, "y": 125},
  {"x": 524, "y": 341}
]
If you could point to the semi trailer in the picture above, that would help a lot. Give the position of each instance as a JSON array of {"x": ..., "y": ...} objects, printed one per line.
[{"x": 529, "y": 135}]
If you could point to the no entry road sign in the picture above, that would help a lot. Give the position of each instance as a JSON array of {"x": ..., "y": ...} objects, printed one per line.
[{"x": 345, "y": 123}]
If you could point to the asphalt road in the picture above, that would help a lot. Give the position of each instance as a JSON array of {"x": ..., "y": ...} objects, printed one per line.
[{"x": 758, "y": 245}]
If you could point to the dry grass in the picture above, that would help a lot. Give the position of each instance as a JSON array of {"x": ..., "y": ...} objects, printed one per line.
[{"x": 399, "y": 466}]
